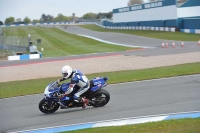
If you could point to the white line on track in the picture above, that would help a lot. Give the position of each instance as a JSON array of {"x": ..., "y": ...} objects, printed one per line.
[
  {"x": 97, "y": 39},
  {"x": 111, "y": 120}
]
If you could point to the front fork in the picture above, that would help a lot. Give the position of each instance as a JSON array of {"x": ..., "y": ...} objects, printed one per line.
[{"x": 50, "y": 102}]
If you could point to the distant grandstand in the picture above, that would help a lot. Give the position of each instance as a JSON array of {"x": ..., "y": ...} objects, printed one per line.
[{"x": 179, "y": 14}]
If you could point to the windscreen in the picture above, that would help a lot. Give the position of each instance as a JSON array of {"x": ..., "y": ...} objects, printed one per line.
[{"x": 52, "y": 86}]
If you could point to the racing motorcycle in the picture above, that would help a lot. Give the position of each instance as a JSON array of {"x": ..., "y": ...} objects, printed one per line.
[{"x": 97, "y": 96}]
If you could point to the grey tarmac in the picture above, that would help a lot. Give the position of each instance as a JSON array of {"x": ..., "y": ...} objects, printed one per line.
[{"x": 151, "y": 97}]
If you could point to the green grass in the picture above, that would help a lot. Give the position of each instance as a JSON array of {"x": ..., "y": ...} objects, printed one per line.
[
  {"x": 169, "y": 126},
  {"x": 152, "y": 34},
  {"x": 59, "y": 43},
  {"x": 35, "y": 86}
]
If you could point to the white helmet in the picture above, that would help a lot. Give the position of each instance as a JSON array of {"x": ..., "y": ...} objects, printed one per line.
[{"x": 66, "y": 71}]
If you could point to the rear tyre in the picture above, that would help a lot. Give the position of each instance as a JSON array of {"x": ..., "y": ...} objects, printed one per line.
[
  {"x": 46, "y": 108},
  {"x": 100, "y": 98}
]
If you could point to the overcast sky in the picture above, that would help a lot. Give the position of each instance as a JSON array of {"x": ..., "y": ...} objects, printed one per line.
[{"x": 35, "y": 8}]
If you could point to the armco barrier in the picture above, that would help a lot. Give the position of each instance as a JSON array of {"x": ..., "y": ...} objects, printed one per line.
[
  {"x": 25, "y": 57},
  {"x": 139, "y": 28},
  {"x": 194, "y": 31},
  {"x": 47, "y": 24}
]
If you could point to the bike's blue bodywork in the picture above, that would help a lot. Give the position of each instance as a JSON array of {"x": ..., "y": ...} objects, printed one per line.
[
  {"x": 52, "y": 88},
  {"x": 95, "y": 96}
]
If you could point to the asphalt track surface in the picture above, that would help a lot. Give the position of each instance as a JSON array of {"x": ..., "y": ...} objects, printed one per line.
[
  {"x": 152, "y": 97},
  {"x": 120, "y": 37}
]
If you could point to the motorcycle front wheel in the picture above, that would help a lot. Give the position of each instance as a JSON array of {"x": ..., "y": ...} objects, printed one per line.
[{"x": 47, "y": 108}]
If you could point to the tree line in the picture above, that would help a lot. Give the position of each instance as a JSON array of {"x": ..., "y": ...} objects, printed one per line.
[{"x": 59, "y": 18}]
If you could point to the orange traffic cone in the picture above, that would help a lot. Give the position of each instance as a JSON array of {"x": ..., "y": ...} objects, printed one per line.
[
  {"x": 182, "y": 45},
  {"x": 199, "y": 43},
  {"x": 173, "y": 45},
  {"x": 166, "y": 46},
  {"x": 163, "y": 45}
]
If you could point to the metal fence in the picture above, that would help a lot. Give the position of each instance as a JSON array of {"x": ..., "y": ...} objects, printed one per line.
[{"x": 14, "y": 44}]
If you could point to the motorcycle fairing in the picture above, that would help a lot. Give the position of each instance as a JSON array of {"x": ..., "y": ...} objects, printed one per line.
[
  {"x": 65, "y": 87},
  {"x": 98, "y": 83},
  {"x": 50, "y": 89}
]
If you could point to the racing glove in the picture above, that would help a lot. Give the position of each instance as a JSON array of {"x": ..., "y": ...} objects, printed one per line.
[{"x": 60, "y": 95}]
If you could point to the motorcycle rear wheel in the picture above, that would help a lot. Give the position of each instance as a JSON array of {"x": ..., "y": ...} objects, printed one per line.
[
  {"x": 45, "y": 108},
  {"x": 100, "y": 98}
]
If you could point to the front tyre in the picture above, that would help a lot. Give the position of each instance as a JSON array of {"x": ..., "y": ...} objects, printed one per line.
[
  {"x": 47, "y": 107},
  {"x": 100, "y": 98}
]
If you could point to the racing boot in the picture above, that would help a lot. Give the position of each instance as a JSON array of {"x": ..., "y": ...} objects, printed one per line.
[{"x": 85, "y": 102}]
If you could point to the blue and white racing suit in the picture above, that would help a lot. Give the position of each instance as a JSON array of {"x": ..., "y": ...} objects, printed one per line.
[{"x": 78, "y": 85}]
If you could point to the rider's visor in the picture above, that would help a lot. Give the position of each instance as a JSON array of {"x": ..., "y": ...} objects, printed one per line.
[{"x": 65, "y": 74}]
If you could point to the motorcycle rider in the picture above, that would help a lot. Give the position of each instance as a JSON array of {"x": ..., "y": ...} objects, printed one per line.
[{"x": 78, "y": 85}]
